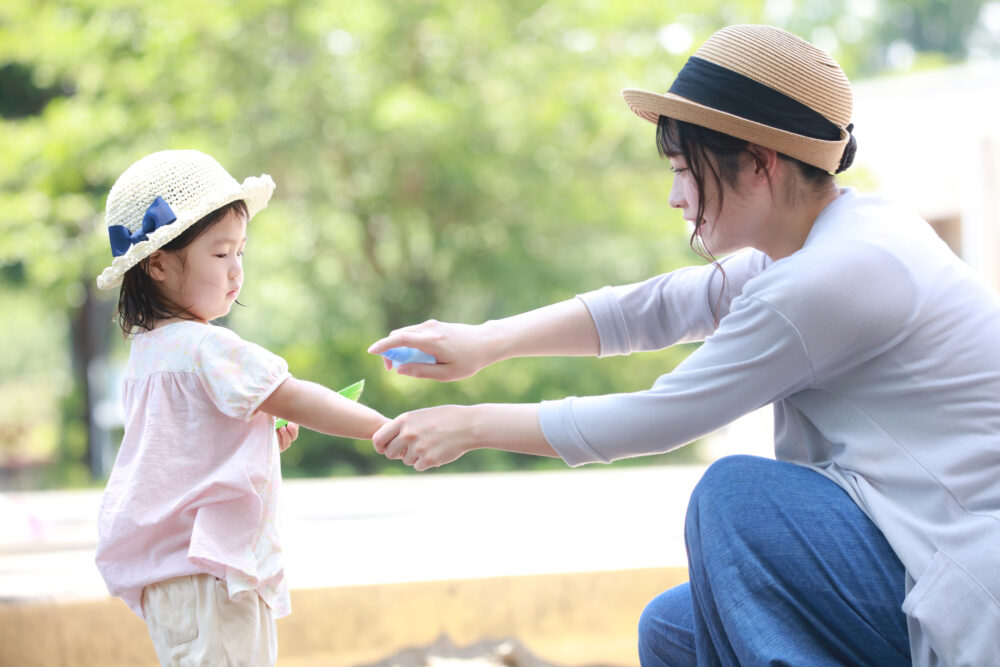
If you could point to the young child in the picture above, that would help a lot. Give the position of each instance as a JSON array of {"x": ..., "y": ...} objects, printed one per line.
[{"x": 187, "y": 534}]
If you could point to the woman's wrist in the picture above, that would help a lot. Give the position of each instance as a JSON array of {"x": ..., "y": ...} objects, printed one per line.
[
  {"x": 497, "y": 341},
  {"x": 476, "y": 420},
  {"x": 509, "y": 427}
]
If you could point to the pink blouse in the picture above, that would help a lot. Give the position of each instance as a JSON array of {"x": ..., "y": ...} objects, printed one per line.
[{"x": 195, "y": 486}]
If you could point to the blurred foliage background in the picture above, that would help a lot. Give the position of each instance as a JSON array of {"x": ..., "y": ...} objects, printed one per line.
[{"x": 448, "y": 159}]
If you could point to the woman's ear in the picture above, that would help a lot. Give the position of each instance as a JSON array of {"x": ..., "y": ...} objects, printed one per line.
[{"x": 765, "y": 160}]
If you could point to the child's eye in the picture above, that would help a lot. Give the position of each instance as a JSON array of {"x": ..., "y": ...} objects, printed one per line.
[{"x": 678, "y": 170}]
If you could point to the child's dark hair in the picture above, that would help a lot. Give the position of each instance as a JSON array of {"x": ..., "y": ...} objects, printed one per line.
[{"x": 140, "y": 302}]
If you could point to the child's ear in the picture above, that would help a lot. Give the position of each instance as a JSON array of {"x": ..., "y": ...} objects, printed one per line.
[{"x": 156, "y": 266}]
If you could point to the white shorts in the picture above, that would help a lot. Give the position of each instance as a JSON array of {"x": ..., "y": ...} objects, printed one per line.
[{"x": 192, "y": 621}]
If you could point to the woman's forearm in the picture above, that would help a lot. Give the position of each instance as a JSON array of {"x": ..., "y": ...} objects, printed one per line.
[
  {"x": 509, "y": 427},
  {"x": 562, "y": 329}
]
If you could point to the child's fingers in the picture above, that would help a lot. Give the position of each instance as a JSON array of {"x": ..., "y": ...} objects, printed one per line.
[{"x": 287, "y": 434}]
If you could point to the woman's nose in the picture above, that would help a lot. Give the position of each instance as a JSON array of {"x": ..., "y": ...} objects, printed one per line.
[{"x": 676, "y": 198}]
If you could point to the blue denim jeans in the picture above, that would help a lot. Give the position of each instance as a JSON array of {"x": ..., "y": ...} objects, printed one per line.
[{"x": 785, "y": 569}]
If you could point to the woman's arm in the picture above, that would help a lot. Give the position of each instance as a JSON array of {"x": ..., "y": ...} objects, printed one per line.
[
  {"x": 562, "y": 329},
  {"x": 756, "y": 357},
  {"x": 434, "y": 436},
  {"x": 322, "y": 409}
]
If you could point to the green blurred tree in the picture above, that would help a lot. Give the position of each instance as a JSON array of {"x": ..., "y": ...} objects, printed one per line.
[{"x": 443, "y": 159}]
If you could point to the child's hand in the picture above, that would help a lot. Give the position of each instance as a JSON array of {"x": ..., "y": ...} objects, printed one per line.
[{"x": 287, "y": 434}]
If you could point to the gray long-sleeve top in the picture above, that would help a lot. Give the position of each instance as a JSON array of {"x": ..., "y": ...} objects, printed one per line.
[{"x": 880, "y": 352}]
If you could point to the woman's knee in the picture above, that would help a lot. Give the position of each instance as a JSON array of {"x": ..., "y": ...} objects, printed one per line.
[
  {"x": 723, "y": 491},
  {"x": 666, "y": 629},
  {"x": 734, "y": 471}
]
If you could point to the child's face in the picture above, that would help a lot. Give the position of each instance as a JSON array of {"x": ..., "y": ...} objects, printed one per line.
[{"x": 206, "y": 280}]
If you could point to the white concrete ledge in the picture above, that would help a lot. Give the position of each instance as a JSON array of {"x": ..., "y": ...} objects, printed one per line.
[{"x": 371, "y": 530}]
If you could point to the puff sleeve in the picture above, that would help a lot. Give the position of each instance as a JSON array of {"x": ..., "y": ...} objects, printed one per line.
[{"x": 237, "y": 375}]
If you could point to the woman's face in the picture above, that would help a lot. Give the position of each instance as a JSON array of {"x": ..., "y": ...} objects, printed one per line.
[{"x": 734, "y": 225}]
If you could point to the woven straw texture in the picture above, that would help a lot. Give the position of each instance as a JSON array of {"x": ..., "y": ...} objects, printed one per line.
[
  {"x": 776, "y": 59},
  {"x": 787, "y": 63},
  {"x": 193, "y": 185}
]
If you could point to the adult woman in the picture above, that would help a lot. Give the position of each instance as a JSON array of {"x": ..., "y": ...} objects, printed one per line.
[{"x": 876, "y": 346}]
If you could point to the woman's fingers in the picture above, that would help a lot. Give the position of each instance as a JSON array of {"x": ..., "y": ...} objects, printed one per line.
[
  {"x": 389, "y": 442},
  {"x": 438, "y": 371},
  {"x": 418, "y": 336},
  {"x": 410, "y": 456},
  {"x": 425, "y": 438},
  {"x": 385, "y": 435}
]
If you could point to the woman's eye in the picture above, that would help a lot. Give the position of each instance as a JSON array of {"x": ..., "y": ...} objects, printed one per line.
[{"x": 678, "y": 170}]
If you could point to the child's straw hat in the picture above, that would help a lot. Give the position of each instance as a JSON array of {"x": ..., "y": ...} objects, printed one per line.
[
  {"x": 163, "y": 194},
  {"x": 766, "y": 86}
]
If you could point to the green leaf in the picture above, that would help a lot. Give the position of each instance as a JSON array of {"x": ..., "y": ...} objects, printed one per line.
[{"x": 354, "y": 391}]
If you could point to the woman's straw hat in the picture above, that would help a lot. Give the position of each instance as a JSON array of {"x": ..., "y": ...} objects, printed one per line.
[
  {"x": 766, "y": 86},
  {"x": 163, "y": 194}
]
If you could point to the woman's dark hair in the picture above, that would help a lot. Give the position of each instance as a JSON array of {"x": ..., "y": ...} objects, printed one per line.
[
  {"x": 708, "y": 153},
  {"x": 697, "y": 144},
  {"x": 140, "y": 302}
]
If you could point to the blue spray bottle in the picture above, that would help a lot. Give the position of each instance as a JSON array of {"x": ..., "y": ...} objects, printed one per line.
[{"x": 407, "y": 355}]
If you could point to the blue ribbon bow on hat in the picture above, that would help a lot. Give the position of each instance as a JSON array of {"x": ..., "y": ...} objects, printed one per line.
[{"x": 157, "y": 215}]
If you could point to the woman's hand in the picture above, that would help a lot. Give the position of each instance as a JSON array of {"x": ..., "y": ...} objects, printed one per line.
[
  {"x": 427, "y": 438},
  {"x": 431, "y": 437},
  {"x": 461, "y": 350},
  {"x": 287, "y": 434}
]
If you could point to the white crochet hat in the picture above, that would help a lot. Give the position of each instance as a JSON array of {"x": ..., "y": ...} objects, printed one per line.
[{"x": 163, "y": 194}]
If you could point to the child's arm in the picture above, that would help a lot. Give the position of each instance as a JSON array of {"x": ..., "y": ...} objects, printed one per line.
[{"x": 321, "y": 409}]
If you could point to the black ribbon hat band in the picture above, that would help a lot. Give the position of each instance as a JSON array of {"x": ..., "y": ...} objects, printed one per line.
[{"x": 723, "y": 89}]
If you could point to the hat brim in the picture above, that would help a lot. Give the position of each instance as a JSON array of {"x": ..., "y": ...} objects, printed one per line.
[
  {"x": 255, "y": 191},
  {"x": 823, "y": 154}
]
